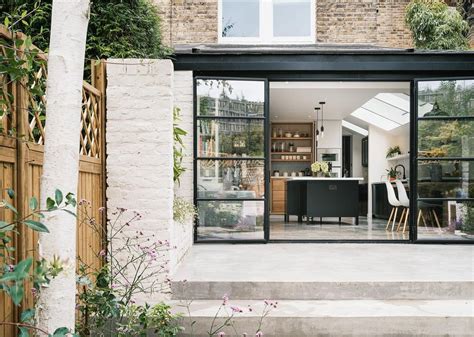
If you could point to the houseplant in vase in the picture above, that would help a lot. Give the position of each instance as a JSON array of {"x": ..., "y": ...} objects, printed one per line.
[
  {"x": 393, "y": 151},
  {"x": 392, "y": 174},
  {"x": 320, "y": 169}
]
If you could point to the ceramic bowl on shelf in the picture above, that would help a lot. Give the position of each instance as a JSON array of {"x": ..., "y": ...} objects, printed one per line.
[{"x": 288, "y": 135}]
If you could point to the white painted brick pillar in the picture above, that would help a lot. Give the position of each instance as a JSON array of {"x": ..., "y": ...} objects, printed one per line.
[
  {"x": 182, "y": 234},
  {"x": 140, "y": 145}
]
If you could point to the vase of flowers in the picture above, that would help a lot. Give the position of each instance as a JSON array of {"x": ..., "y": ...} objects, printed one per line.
[{"x": 320, "y": 168}]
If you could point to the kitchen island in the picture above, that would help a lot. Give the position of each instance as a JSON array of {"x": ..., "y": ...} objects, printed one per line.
[{"x": 314, "y": 197}]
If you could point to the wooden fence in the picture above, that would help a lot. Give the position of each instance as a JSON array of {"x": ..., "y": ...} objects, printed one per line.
[{"x": 24, "y": 129}]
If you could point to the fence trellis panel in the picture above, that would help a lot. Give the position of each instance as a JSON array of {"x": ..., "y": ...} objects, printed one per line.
[{"x": 22, "y": 134}]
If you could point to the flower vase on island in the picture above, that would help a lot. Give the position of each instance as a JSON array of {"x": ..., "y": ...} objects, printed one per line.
[{"x": 320, "y": 169}]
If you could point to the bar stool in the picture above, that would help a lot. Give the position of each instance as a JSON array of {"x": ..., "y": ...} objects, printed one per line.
[
  {"x": 393, "y": 201},
  {"x": 405, "y": 202}
]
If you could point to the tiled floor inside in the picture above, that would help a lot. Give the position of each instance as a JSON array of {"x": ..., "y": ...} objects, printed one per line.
[{"x": 368, "y": 229}]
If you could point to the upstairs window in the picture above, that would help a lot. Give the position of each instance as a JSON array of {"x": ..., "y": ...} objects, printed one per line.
[{"x": 266, "y": 21}]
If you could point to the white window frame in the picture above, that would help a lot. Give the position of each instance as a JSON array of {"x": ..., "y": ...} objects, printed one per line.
[{"x": 266, "y": 28}]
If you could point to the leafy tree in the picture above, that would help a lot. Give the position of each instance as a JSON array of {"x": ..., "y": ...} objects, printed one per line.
[
  {"x": 117, "y": 28},
  {"x": 435, "y": 25}
]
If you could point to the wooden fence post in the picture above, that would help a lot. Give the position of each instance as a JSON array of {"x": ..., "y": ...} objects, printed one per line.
[
  {"x": 21, "y": 169},
  {"x": 99, "y": 81}
]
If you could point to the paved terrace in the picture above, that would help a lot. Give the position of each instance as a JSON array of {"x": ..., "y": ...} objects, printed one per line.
[
  {"x": 332, "y": 289},
  {"x": 328, "y": 263}
]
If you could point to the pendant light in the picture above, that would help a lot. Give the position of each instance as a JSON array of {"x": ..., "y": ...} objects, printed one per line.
[
  {"x": 316, "y": 109},
  {"x": 322, "y": 118}
]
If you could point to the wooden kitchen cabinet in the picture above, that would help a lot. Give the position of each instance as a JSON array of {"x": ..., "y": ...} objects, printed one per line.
[{"x": 278, "y": 195}]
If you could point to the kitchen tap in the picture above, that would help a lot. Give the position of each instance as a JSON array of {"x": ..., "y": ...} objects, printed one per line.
[{"x": 404, "y": 170}]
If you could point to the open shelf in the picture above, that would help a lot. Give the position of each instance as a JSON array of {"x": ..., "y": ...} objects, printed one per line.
[
  {"x": 295, "y": 160},
  {"x": 293, "y": 153},
  {"x": 399, "y": 157},
  {"x": 306, "y": 140}
]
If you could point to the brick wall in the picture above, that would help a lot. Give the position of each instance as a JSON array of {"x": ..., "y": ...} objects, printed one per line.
[
  {"x": 140, "y": 104},
  {"x": 188, "y": 21},
  {"x": 182, "y": 234},
  {"x": 379, "y": 22},
  {"x": 391, "y": 28}
]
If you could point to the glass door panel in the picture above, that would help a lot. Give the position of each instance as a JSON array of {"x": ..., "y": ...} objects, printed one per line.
[
  {"x": 445, "y": 159},
  {"x": 230, "y": 169},
  {"x": 230, "y": 138}
]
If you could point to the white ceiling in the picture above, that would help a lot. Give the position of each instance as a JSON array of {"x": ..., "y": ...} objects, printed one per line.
[{"x": 295, "y": 101}]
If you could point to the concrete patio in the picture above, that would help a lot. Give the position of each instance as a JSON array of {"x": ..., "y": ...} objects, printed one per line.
[{"x": 333, "y": 289}]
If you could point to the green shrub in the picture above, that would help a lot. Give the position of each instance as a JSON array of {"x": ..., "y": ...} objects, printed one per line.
[
  {"x": 117, "y": 28},
  {"x": 468, "y": 221},
  {"x": 434, "y": 25}
]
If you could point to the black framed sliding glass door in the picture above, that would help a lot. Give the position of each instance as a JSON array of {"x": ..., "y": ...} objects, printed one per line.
[
  {"x": 445, "y": 160},
  {"x": 230, "y": 162}
]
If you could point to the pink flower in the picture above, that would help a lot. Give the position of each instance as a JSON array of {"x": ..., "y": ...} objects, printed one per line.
[
  {"x": 225, "y": 299},
  {"x": 101, "y": 209},
  {"x": 102, "y": 252},
  {"x": 259, "y": 334},
  {"x": 221, "y": 334},
  {"x": 236, "y": 309},
  {"x": 11, "y": 267}
]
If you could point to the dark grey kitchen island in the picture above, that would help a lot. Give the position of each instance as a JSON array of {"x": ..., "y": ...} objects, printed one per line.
[{"x": 314, "y": 197}]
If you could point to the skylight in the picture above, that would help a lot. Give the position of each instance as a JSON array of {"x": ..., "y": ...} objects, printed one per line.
[
  {"x": 386, "y": 111},
  {"x": 374, "y": 119},
  {"x": 355, "y": 128}
]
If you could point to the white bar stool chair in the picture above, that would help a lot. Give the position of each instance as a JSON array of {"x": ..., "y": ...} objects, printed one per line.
[
  {"x": 393, "y": 201},
  {"x": 405, "y": 203}
]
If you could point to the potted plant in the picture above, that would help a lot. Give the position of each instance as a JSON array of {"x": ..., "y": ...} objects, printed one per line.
[
  {"x": 393, "y": 151},
  {"x": 320, "y": 169},
  {"x": 392, "y": 174}
]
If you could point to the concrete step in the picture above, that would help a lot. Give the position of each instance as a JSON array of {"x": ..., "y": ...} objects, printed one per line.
[
  {"x": 382, "y": 290},
  {"x": 336, "y": 318}
]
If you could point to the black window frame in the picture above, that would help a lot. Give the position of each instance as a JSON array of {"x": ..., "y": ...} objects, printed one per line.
[
  {"x": 265, "y": 157},
  {"x": 415, "y": 159}
]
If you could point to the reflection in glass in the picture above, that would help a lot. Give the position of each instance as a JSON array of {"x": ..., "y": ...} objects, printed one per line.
[
  {"x": 240, "y": 18},
  {"x": 230, "y": 98},
  {"x": 452, "y": 138},
  {"x": 231, "y": 179},
  {"x": 291, "y": 18},
  {"x": 444, "y": 220},
  {"x": 445, "y": 179},
  {"x": 230, "y": 138},
  {"x": 446, "y": 98},
  {"x": 231, "y": 219}
]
